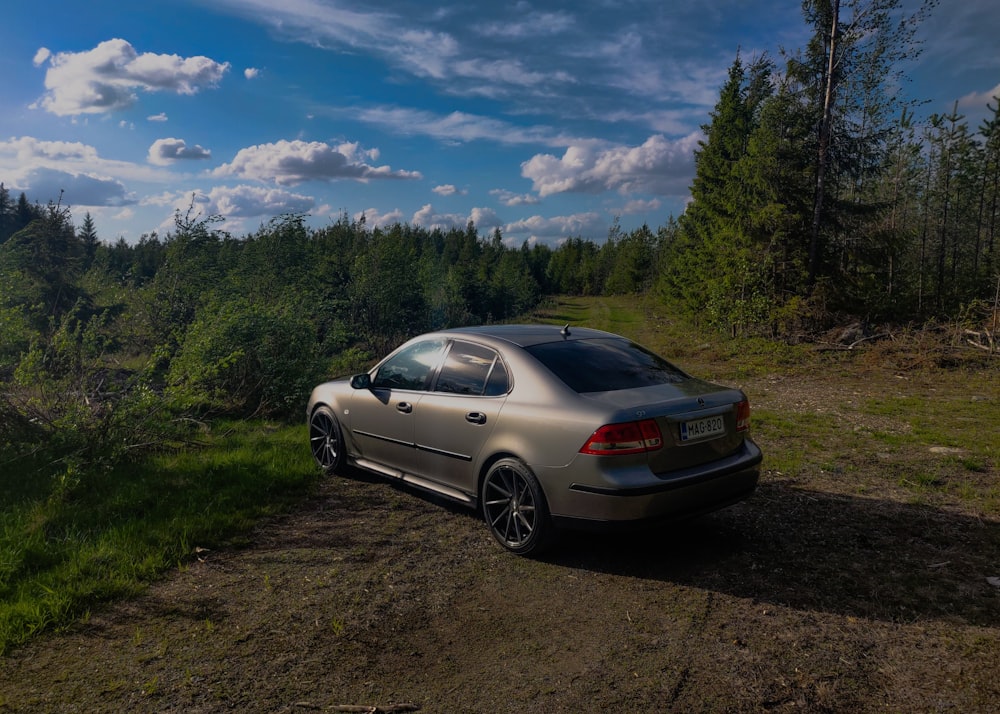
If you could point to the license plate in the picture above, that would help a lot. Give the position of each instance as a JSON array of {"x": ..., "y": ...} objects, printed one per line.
[{"x": 702, "y": 428}]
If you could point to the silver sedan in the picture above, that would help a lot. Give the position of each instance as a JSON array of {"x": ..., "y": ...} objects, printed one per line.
[{"x": 541, "y": 427}]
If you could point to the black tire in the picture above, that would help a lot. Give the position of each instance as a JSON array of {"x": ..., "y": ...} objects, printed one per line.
[
  {"x": 514, "y": 509},
  {"x": 326, "y": 440}
]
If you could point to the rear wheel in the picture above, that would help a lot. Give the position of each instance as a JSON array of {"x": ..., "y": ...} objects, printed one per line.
[
  {"x": 514, "y": 507},
  {"x": 325, "y": 440}
]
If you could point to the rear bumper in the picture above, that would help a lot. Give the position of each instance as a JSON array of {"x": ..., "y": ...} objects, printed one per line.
[{"x": 675, "y": 496}]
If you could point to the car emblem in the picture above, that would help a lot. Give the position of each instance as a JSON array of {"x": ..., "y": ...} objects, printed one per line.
[{"x": 701, "y": 402}]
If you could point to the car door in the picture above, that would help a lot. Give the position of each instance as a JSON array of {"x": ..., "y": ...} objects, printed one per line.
[
  {"x": 382, "y": 416},
  {"x": 458, "y": 415}
]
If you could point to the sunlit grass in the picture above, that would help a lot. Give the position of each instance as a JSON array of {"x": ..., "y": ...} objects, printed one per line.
[{"x": 110, "y": 533}]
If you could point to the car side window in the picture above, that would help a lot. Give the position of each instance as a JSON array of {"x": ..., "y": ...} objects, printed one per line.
[
  {"x": 474, "y": 370},
  {"x": 411, "y": 368}
]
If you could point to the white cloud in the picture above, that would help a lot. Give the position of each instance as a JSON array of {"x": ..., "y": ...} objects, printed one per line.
[
  {"x": 640, "y": 206},
  {"x": 657, "y": 166},
  {"x": 165, "y": 198},
  {"x": 42, "y": 56},
  {"x": 19, "y": 156},
  {"x": 157, "y": 117},
  {"x": 460, "y": 126},
  {"x": 251, "y": 73},
  {"x": 106, "y": 78},
  {"x": 448, "y": 190},
  {"x": 375, "y": 219},
  {"x": 556, "y": 227},
  {"x": 72, "y": 189},
  {"x": 484, "y": 219},
  {"x": 511, "y": 199},
  {"x": 28, "y": 150},
  {"x": 252, "y": 201},
  {"x": 232, "y": 203},
  {"x": 528, "y": 25},
  {"x": 979, "y": 100},
  {"x": 422, "y": 51},
  {"x": 294, "y": 162},
  {"x": 164, "y": 152}
]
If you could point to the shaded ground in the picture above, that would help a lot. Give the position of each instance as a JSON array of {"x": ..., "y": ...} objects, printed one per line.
[{"x": 834, "y": 591}]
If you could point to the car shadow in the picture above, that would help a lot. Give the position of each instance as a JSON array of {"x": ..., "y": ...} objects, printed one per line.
[{"x": 805, "y": 549}]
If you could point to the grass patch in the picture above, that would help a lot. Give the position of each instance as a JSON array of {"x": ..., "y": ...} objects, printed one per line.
[{"x": 75, "y": 541}]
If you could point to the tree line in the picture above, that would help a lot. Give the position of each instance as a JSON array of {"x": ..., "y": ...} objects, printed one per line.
[{"x": 818, "y": 194}]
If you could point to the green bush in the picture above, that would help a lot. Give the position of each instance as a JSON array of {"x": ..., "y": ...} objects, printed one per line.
[{"x": 245, "y": 358}]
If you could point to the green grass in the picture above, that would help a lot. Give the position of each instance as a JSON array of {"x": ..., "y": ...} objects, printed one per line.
[{"x": 67, "y": 546}]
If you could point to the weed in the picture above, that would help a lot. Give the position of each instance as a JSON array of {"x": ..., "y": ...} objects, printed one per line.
[{"x": 151, "y": 687}]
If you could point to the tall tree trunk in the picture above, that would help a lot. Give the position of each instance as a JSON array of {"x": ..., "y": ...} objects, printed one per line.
[{"x": 823, "y": 153}]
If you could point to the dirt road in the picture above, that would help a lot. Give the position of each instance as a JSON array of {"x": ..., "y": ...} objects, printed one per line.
[{"x": 814, "y": 596}]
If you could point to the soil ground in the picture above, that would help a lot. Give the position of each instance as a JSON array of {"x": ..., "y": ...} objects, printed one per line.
[{"x": 834, "y": 591}]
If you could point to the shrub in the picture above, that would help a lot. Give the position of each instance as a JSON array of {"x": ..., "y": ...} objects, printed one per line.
[{"x": 243, "y": 358}]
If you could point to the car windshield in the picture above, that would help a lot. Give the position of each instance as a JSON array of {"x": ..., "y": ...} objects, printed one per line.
[{"x": 604, "y": 365}]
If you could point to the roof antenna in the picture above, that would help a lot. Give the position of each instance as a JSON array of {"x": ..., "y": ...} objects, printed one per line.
[{"x": 565, "y": 331}]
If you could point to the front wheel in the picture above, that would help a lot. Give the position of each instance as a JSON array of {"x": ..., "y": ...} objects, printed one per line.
[
  {"x": 514, "y": 507},
  {"x": 325, "y": 440}
]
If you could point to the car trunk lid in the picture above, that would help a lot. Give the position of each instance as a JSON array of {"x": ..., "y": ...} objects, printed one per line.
[{"x": 698, "y": 420}]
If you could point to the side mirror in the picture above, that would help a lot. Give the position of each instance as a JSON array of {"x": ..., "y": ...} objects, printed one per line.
[{"x": 361, "y": 381}]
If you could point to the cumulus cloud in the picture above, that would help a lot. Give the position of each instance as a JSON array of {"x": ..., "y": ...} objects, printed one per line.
[
  {"x": 511, "y": 199},
  {"x": 73, "y": 189},
  {"x": 27, "y": 150},
  {"x": 979, "y": 100},
  {"x": 293, "y": 162},
  {"x": 22, "y": 155},
  {"x": 107, "y": 78},
  {"x": 657, "y": 166},
  {"x": 164, "y": 152},
  {"x": 375, "y": 219},
  {"x": 251, "y": 73},
  {"x": 232, "y": 203},
  {"x": 42, "y": 56},
  {"x": 252, "y": 201},
  {"x": 448, "y": 190},
  {"x": 483, "y": 218},
  {"x": 556, "y": 228}
]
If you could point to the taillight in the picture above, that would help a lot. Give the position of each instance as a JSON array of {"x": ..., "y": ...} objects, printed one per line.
[
  {"x": 633, "y": 437},
  {"x": 743, "y": 416}
]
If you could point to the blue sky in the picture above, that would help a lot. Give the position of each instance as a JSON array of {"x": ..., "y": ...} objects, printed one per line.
[{"x": 544, "y": 119}]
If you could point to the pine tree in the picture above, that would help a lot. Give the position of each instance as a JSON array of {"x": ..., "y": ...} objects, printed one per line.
[
  {"x": 714, "y": 270},
  {"x": 7, "y": 208},
  {"x": 87, "y": 235},
  {"x": 849, "y": 72}
]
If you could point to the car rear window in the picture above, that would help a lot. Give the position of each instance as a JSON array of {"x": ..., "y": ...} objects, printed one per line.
[{"x": 605, "y": 365}]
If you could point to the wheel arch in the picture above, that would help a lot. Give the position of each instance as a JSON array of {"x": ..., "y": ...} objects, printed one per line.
[{"x": 487, "y": 464}]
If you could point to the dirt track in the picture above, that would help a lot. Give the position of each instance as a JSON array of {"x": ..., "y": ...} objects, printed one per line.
[{"x": 806, "y": 598}]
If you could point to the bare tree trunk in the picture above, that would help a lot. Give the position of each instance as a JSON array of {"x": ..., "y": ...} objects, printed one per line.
[{"x": 824, "y": 147}]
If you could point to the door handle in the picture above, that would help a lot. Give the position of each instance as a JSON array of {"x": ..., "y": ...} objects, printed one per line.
[
  {"x": 475, "y": 418},
  {"x": 404, "y": 407}
]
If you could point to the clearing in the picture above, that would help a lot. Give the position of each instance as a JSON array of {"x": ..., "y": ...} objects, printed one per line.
[{"x": 861, "y": 577}]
